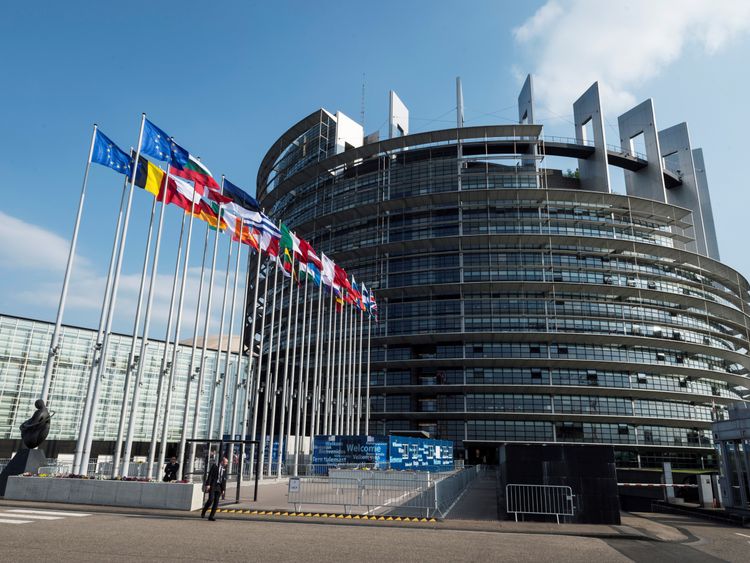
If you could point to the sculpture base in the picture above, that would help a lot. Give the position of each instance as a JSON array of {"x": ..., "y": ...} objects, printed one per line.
[{"x": 24, "y": 461}]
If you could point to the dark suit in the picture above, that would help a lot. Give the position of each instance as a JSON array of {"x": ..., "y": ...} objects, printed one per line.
[{"x": 216, "y": 483}]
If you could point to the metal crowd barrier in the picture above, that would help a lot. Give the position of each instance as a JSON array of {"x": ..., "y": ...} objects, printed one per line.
[
  {"x": 449, "y": 489},
  {"x": 553, "y": 500},
  {"x": 403, "y": 493}
]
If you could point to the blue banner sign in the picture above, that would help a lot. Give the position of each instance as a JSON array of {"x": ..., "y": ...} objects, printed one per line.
[
  {"x": 420, "y": 454},
  {"x": 338, "y": 450}
]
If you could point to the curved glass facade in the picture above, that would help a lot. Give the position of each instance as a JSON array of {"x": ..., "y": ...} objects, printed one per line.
[{"x": 515, "y": 306}]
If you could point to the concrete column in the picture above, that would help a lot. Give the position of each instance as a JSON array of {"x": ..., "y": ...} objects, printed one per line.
[
  {"x": 709, "y": 227},
  {"x": 677, "y": 156},
  {"x": 593, "y": 171},
  {"x": 648, "y": 182}
]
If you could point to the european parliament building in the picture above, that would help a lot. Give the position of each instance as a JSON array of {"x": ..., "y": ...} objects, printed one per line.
[{"x": 519, "y": 303}]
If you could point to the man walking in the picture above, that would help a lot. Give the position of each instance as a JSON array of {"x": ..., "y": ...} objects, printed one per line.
[{"x": 216, "y": 482}]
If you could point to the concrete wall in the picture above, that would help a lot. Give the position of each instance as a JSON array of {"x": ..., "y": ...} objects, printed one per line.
[{"x": 170, "y": 496}]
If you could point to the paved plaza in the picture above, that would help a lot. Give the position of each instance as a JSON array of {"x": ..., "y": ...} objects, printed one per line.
[{"x": 46, "y": 532}]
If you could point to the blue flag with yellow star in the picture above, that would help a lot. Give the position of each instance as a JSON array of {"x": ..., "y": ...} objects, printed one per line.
[{"x": 109, "y": 154}]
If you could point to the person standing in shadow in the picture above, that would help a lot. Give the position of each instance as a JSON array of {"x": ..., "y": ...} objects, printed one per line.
[
  {"x": 216, "y": 483},
  {"x": 170, "y": 470}
]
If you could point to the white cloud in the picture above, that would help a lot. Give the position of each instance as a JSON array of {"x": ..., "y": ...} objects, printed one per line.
[
  {"x": 34, "y": 263},
  {"x": 620, "y": 44},
  {"x": 30, "y": 247}
]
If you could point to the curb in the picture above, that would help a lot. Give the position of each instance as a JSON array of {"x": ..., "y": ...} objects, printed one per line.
[{"x": 331, "y": 515}]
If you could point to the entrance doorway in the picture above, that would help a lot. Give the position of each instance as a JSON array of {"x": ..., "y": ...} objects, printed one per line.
[{"x": 481, "y": 453}]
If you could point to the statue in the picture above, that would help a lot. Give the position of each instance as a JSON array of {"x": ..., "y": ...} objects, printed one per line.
[
  {"x": 34, "y": 431},
  {"x": 29, "y": 459}
]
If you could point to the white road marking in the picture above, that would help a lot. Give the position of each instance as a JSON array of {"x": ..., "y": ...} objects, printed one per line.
[
  {"x": 32, "y": 516},
  {"x": 743, "y": 535},
  {"x": 51, "y": 512},
  {"x": 4, "y": 521}
]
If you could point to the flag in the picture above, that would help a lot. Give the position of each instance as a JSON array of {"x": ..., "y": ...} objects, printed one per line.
[
  {"x": 373, "y": 306},
  {"x": 156, "y": 143},
  {"x": 286, "y": 248},
  {"x": 268, "y": 226},
  {"x": 245, "y": 234},
  {"x": 356, "y": 298},
  {"x": 210, "y": 215},
  {"x": 311, "y": 270},
  {"x": 190, "y": 168},
  {"x": 365, "y": 299},
  {"x": 149, "y": 177},
  {"x": 267, "y": 240},
  {"x": 340, "y": 278},
  {"x": 308, "y": 255},
  {"x": 340, "y": 285},
  {"x": 218, "y": 212},
  {"x": 328, "y": 271},
  {"x": 273, "y": 248},
  {"x": 181, "y": 193},
  {"x": 107, "y": 153},
  {"x": 240, "y": 197}
]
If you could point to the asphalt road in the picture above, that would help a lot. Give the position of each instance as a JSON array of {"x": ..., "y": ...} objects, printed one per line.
[
  {"x": 709, "y": 539},
  {"x": 112, "y": 538},
  {"x": 34, "y": 534}
]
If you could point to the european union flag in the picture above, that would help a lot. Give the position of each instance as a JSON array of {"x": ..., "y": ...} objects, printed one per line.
[
  {"x": 180, "y": 157},
  {"x": 109, "y": 154},
  {"x": 156, "y": 143},
  {"x": 239, "y": 196}
]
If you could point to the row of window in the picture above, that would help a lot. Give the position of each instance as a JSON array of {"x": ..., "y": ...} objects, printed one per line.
[
  {"x": 557, "y": 377},
  {"x": 546, "y": 404}
]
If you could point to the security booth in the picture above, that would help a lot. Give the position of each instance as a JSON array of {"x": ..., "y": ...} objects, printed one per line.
[{"x": 732, "y": 440}]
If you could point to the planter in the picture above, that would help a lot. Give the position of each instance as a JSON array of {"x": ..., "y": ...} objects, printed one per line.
[{"x": 134, "y": 494}]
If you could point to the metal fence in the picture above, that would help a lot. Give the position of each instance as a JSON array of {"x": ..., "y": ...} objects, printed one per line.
[
  {"x": 399, "y": 493},
  {"x": 553, "y": 500}
]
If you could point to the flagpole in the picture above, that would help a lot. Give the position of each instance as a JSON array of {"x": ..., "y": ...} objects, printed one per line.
[
  {"x": 176, "y": 348},
  {"x": 202, "y": 359},
  {"x": 187, "y": 463},
  {"x": 338, "y": 325},
  {"x": 300, "y": 397},
  {"x": 54, "y": 346},
  {"x": 217, "y": 366},
  {"x": 258, "y": 369},
  {"x": 253, "y": 376},
  {"x": 367, "y": 389},
  {"x": 133, "y": 345},
  {"x": 276, "y": 376},
  {"x": 146, "y": 327},
  {"x": 164, "y": 369},
  {"x": 227, "y": 353},
  {"x": 282, "y": 420},
  {"x": 350, "y": 379},
  {"x": 90, "y": 422},
  {"x": 267, "y": 389},
  {"x": 352, "y": 365},
  {"x": 238, "y": 382},
  {"x": 339, "y": 390},
  {"x": 102, "y": 318},
  {"x": 315, "y": 403},
  {"x": 345, "y": 376},
  {"x": 359, "y": 373},
  {"x": 328, "y": 426}
]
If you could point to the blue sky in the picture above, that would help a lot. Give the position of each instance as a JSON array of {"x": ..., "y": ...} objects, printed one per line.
[{"x": 226, "y": 79}]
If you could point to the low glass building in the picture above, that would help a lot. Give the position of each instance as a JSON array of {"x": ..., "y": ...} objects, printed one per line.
[
  {"x": 24, "y": 344},
  {"x": 519, "y": 303}
]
